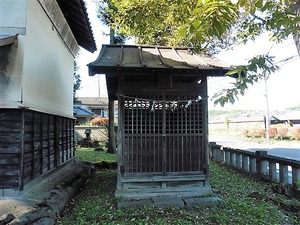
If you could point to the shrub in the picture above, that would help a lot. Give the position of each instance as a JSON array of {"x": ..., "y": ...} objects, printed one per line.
[
  {"x": 100, "y": 121},
  {"x": 261, "y": 132},
  {"x": 295, "y": 132},
  {"x": 282, "y": 132},
  {"x": 245, "y": 132},
  {"x": 272, "y": 132},
  {"x": 252, "y": 133}
]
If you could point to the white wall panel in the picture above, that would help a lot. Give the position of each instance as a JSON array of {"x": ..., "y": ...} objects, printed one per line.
[
  {"x": 13, "y": 17},
  {"x": 11, "y": 73},
  {"x": 48, "y": 66}
]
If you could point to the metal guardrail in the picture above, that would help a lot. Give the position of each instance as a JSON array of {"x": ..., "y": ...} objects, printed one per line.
[{"x": 271, "y": 168}]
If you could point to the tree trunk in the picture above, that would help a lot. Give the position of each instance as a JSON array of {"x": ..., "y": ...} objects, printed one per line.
[{"x": 112, "y": 36}]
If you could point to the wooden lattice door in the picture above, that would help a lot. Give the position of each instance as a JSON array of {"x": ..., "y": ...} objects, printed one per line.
[{"x": 162, "y": 134}]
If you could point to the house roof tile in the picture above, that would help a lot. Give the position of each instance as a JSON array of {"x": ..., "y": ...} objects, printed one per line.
[
  {"x": 81, "y": 112},
  {"x": 100, "y": 101}
]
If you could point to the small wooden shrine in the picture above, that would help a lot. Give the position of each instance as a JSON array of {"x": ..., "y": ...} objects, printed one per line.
[{"x": 162, "y": 118}]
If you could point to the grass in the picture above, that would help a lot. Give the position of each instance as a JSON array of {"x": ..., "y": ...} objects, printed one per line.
[
  {"x": 246, "y": 201},
  {"x": 90, "y": 155}
]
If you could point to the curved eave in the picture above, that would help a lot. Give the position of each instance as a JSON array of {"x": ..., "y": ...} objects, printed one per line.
[
  {"x": 95, "y": 69},
  {"x": 147, "y": 59},
  {"x": 76, "y": 15}
]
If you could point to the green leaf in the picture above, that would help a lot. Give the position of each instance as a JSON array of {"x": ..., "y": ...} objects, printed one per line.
[{"x": 234, "y": 71}]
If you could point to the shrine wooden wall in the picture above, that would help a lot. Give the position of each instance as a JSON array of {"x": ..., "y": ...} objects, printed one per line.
[{"x": 32, "y": 144}]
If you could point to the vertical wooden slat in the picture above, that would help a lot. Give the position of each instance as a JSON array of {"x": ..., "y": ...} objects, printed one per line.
[
  {"x": 169, "y": 132},
  {"x": 33, "y": 145},
  {"x": 70, "y": 138},
  {"x": 56, "y": 142},
  {"x": 21, "y": 175},
  {"x": 61, "y": 141},
  {"x": 131, "y": 149},
  {"x": 73, "y": 138},
  {"x": 150, "y": 141},
  {"x": 65, "y": 134},
  {"x": 140, "y": 108},
  {"x": 67, "y": 127},
  {"x": 190, "y": 137},
  {"x": 64, "y": 148},
  {"x": 48, "y": 141},
  {"x": 164, "y": 144},
  {"x": 154, "y": 142},
  {"x": 41, "y": 143}
]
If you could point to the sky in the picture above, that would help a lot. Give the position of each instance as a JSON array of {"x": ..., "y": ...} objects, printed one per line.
[{"x": 283, "y": 86}]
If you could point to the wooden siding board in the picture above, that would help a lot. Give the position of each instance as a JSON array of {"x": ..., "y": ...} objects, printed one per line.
[
  {"x": 10, "y": 127},
  {"x": 10, "y": 116},
  {"x": 42, "y": 141},
  {"x": 9, "y": 148},
  {"x": 9, "y": 182},
  {"x": 10, "y": 137},
  {"x": 10, "y": 159},
  {"x": 11, "y": 170}
]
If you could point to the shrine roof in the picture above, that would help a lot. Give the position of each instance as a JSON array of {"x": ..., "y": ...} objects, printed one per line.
[{"x": 114, "y": 58}]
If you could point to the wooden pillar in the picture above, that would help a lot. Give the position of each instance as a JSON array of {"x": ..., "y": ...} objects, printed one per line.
[
  {"x": 205, "y": 154},
  {"x": 111, "y": 126},
  {"x": 121, "y": 167}
]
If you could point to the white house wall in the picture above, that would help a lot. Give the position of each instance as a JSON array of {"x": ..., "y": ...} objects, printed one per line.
[
  {"x": 12, "y": 23},
  {"x": 48, "y": 66},
  {"x": 11, "y": 76},
  {"x": 13, "y": 17}
]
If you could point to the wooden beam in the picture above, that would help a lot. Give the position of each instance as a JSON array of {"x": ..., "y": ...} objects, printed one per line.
[
  {"x": 205, "y": 147},
  {"x": 111, "y": 130},
  {"x": 136, "y": 87}
]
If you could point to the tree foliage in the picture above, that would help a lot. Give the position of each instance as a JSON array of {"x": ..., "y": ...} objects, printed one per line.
[
  {"x": 76, "y": 79},
  {"x": 259, "y": 67},
  {"x": 208, "y": 26},
  {"x": 106, "y": 10}
]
